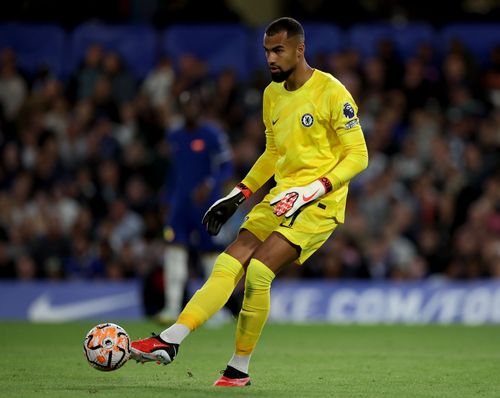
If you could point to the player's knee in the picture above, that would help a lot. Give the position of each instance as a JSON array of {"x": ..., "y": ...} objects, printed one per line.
[
  {"x": 259, "y": 276},
  {"x": 226, "y": 264}
]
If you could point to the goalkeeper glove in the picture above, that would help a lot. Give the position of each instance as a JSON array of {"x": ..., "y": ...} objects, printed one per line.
[
  {"x": 291, "y": 200},
  {"x": 224, "y": 208}
]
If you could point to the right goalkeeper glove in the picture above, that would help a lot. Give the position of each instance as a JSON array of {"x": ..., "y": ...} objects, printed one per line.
[{"x": 220, "y": 211}]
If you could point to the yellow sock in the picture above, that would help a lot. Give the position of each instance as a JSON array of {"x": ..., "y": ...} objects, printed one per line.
[
  {"x": 256, "y": 304},
  {"x": 211, "y": 297}
]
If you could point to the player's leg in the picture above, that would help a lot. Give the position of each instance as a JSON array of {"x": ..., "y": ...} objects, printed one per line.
[
  {"x": 228, "y": 270},
  {"x": 208, "y": 252},
  {"x": 233, "y": 304},
  {"x": 275, "y": 253},
  {"x": 293, "y": 240},
  {"x": 175, "y": 261},
  {"x": 175, "y": 272},
  {"x": 271, "y": 257}
]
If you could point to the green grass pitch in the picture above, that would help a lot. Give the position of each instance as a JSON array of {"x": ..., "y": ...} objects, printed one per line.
[{"x": 43, "y": 360}]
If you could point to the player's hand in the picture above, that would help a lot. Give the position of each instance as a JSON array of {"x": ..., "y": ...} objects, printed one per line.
[
  {"x": 224, "y": 208},
  {"x": 291, "y": 200}
]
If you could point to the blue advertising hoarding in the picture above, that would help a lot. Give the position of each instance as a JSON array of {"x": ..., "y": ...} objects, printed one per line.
[
  {"x": 360, "y": 302},
  {"x": 386, "y": 302},
  {"x": 68, "y": 301}
]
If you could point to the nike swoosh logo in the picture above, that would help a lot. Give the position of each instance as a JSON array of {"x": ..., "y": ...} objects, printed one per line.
[
  {"x": 41, "y": 309},
  {"x": 275, "y": 121},
  {"x": 308, "y": 198}
]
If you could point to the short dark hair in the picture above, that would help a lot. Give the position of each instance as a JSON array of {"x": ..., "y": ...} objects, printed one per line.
[{"x": 291, "y": 26}]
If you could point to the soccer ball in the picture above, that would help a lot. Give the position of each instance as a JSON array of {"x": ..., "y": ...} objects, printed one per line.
[{"x": 107, "y": 347}]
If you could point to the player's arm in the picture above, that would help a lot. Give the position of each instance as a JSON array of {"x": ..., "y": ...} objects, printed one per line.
[
  {"x": 264, "y": 167},
  {"x": 354, "y": 162},
  {"x": 259, "y": 174},
  {"x": 348, "y": 130},
  {"x": 355, "y": 159}
]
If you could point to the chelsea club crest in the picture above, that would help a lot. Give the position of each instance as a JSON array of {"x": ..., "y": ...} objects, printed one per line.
[{"x": 307, "y": 120}]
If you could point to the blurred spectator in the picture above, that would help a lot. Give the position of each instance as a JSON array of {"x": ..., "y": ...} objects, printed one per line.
[
  {"x": 102, "y": 100},
  {"x": 52, "y": 246},
  {"x": 158, "y": 83},
  {"x": 121, "y": 80},
  {"x": 89, "y": 72},
  {"x": 10, "y": 164},
  {"x": 226, "y": 101},
  {"x": 126, "y": 226},
  {"x": 126, "y": 130},
  {"x": 109, "y": 181},
  {"x": 84, "y": 263},
  {"x": 491, "y": 78},
  {"x": 26, "y": 269},
  {"x": 73, "y": 148},
  {"x": 191, "y": 72},
  {"x": 13, "y": 88},
  {"x": 393, "y": 70},
  {"x": 57, "y": 115}
]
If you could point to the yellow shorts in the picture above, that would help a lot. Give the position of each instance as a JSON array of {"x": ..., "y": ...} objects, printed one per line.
[{"x": 308, "y": 228}]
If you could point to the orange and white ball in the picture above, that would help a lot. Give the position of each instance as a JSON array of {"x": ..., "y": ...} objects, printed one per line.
[{"x": 107, "y": 347}]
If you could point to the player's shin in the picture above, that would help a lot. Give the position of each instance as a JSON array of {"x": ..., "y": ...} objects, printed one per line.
[
  {"x": 212, "y": 296},
  {"x": 255, "y": 309},
  {"x": 175, "y": 275}
]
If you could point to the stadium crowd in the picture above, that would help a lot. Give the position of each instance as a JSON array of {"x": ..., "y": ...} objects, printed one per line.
[{"x": 83, "y": 164}]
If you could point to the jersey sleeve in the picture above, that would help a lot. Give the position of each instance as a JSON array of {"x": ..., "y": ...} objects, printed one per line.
[
  {"x": 345, "y": 123},
  {"x": 264, "y": 167}
]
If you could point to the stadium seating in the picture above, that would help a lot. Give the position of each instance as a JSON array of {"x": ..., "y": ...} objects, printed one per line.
[
  {"x": 35, "y": 46},
  {"x": 479, "y": 39},
  {"x": 221, "y": 46},
  {"x": 407, "y": 38},
  {"x": 135, "y": 43}
]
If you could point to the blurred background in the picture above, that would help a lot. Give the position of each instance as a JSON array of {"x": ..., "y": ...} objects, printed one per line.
[{"x": 89, "y": 89}]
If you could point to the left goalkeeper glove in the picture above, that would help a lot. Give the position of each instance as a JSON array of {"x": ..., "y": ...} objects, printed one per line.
[
  {"x": 224, "y": 208},
  {"x": 291, "y": 200}
]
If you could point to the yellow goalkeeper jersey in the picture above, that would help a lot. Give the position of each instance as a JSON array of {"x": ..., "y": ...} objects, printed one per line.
[{"x": 311, "y": 132}]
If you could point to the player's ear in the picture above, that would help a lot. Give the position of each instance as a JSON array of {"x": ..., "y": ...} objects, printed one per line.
[{"x": 301, "y": 48}]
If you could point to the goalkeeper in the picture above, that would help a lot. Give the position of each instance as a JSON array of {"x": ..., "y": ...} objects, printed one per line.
[{"x": 314, "y": 147}]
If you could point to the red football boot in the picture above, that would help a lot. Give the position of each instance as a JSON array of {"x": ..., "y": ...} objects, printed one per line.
[
  {"x": 153, "y": 349},
  {"x": 232, "y": 378}
]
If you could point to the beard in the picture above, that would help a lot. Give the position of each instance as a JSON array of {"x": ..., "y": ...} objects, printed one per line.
[{"x": 281, "y": 76}]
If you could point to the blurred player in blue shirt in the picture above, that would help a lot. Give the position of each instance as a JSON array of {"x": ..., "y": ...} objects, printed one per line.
[{"x": 200, "y": 165}]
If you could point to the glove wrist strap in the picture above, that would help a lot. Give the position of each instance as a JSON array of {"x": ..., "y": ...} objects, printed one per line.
[
  {"x": 326, "y": 183},
  {"x": 244, "y": 190}
]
